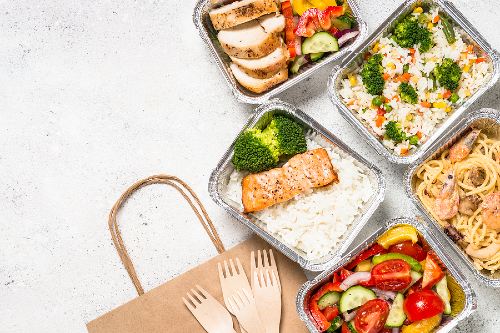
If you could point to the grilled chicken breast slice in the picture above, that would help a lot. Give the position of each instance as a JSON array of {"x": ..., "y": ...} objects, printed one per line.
[{"x": 240, "y": 12}]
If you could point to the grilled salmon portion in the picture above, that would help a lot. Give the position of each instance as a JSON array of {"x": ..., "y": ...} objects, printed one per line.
[{"x": 301, "y": 173}]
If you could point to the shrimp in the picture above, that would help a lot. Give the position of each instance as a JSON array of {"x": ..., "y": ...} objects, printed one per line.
[
  {"x": 462, "y": 148},
  {"x": 491, "y": 211},
  {"x": 447, "y": 201},
  {"x": 483, "y": 253}
]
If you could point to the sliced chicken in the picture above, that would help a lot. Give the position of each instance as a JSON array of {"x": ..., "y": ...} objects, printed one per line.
[
  {"x": 265, "y": 67},
  {"x": 248, "y": 41},
  {"x": 258, "y": 85},
  {"x": 301, "y": 173},
  {"x": 272, "y": 23},
  {"x": 240, "y": 12},
  {"x": 220, "y": 2}
]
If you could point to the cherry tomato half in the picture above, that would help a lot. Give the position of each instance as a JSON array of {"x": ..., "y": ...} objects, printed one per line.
[
  {"x": 432, "y": 271},
  {"x": 392, "y": 275},
  {"x": 413, "y": 250},
  {"x": 422, "y": 304},
  {"x": 331, "y": 312},
  {"x": 371, "y": 316}
]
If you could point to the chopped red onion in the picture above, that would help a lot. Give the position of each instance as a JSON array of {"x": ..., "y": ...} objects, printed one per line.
[
  {"x": 349, "y": 316},
  {"x": 354, "y": 279},
  {"x": 346, "y": 37},
  {"x": 385, "y": 294}
]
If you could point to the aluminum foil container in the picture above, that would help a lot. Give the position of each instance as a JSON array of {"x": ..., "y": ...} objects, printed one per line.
[
  {"x": 220, "y": 177},
  {"x": 209, "y": 35},
  {"x": 355, "y": 60},
  {"x": 485, "y": 119},
  {"x": 430, "y": 236}
]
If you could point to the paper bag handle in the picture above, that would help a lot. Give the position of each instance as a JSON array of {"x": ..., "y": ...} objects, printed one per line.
[{"x": 194, "y": 202}]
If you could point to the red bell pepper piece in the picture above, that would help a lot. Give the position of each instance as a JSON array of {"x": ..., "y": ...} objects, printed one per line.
[
  {"x": 286, "y": 9},
  {"x": 432, "y": 271},
  {"x": 372, "y": 251},
  {"x": 318, "y": 316},
  {"x": 325, "y": 16},
  {"x": 308, "y": 23}
]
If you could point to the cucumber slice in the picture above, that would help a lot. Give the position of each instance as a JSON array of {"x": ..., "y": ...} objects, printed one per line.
[
  {"x": 415, "y": 276},
  {"x": 351, "y": 328},
  {"x": 415, "y": 265},
  {"x": 397, "y": 315},
  {"x": 336, "y": 323},
  {"x": 328, "y": 299},
  {"x": 320, "y": 42},
  {"x": 355, "y": 297},
  {"x": 317, "y": 56},
  {"x": 443, "y": 292},
  {"x": 297, "y": 63}
]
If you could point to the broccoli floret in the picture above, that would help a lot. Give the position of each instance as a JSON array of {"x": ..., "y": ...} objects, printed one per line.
[
  {"x": 255, "y": 151},
  {"x": 448, "y": 74},
  {"x": 394, "y": 132},
  {"x": 289, "y": 135},
  {"x": 409, "y": 32},
  {"x": 372, "y": 75},
  {"x": 407, "y": 93}
]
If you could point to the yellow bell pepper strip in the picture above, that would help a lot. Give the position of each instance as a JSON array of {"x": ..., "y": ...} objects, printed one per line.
[
  {"x": 423, "y": 326},
  {"x": 397, "y": 235},
  {"x": 286, "y": 9},
  {"x": 323, "y": 4},
  {"x": 300, "y": 6}
]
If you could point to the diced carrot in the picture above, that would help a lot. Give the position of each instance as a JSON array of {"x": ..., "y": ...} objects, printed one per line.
[
  {"x": 351, "y": 102},
  {"x": 446, "y": 94},
  {"x": 405, "y": 77},
  {"x": 436, "y": 19},
  {"x": 396, "y": 98},
  {"x": 404, "y": 151},
  {"x": 380, "y": 120},
  {"x": 412, "y": 50},
  {"x": 470, "y": 48},
  {"x": 478, "y": 60},
  {"x": 425, "y": 104},
  {"x": 419, "y": 135},
  {"x": 386, "y": 76},
  {"x": 380, "y": 112},
  {"x": 386, "y": 100}
]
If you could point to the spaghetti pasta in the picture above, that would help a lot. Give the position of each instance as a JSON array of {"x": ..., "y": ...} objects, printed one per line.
[{"x": 476, "y": 177}]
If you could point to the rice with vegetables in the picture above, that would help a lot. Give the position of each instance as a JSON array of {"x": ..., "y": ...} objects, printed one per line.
[
  {"x": 413, "y": 79},
  {"x": 315, "y": 222}
]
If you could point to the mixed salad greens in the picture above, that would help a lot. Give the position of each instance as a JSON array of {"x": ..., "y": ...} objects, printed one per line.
[{"x": 397, "y": 284}]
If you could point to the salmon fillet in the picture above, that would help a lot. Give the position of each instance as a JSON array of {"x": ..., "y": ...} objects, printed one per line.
[{"x": 301, "y": 173}]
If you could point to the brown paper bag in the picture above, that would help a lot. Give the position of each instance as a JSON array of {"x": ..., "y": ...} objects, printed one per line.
[{"x": 161, "y": 309}]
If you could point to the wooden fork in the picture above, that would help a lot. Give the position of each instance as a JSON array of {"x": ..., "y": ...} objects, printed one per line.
[
  {"x": 265, "y": 262},
  {"x": 268, "y": 297},
  {"x": 244, "y": 307},
  {"x": 210, "y": 314},
  {"x": 232, "y": 280}
]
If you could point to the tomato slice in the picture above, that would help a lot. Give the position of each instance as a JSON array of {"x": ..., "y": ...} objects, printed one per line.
[
  {"x": 371, "y": 316},
  {"x": 330, "y": 312},
  {"x": 432, "y": 272},
  {"x": 344, "y": 273},
  {"x": 345, "y": 329},
  {"x": 375, "y": 249},
  {"x": 407, "y": 247},
  {"x": 392, "y": 275},
  {"x": 422, "y": 304}
]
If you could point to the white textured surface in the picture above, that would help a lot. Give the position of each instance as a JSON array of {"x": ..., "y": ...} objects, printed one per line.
[{"x": 96, "y": 94}]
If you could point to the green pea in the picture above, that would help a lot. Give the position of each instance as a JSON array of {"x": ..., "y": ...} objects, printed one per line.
[
  {"x": 406, "y": 67},
  {"x": 414, "y": 140},
  {"x": 387, "y": 107},
  {"x": 377, "y": 101},
  {"x": 454, "y": 98}
]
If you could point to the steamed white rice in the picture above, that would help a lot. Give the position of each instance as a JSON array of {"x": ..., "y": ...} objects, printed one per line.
[
  {"x": 315, "y": 222},
  {"x": 416, "y": 119}
]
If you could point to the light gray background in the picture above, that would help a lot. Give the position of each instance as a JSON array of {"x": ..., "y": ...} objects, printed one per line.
[{"x": 97, "y": 94}]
